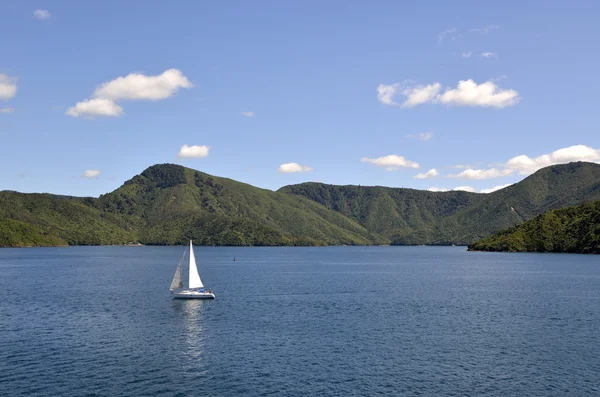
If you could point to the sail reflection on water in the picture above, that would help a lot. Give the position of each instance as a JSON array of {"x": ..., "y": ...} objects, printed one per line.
[{"x": 191, "y": 314}]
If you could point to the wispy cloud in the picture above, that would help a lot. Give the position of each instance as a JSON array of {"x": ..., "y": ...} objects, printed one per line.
[
  {"x": 437, "y": 189},
  {"x": 466, "y": 93},
  {"x": 42, "y": 14},
  {"x": 247, "y": 114},
  {"x": 429, "y": 174},
  {"x": 489, "y": 54},
  {"x": 391, "y": 162},
  {"x": 482, "y": 174},
  {"x": 484, "y": 30},
  {"x": 450, "y": 32},
  {"x": 194, "y": 151},
  {"x": 466, "y": 54},
  {"x": 423, "y": 136},
  {"x": 134, "y": 86},
  {"x": 91, "y": 174},
  {"x": 293, "y": 167},
  {"x": 7, "y": 110},
  {"x": 461, "y": 166}
]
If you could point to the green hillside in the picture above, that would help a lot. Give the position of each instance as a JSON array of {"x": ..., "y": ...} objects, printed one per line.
[
  {"x": 408, "y": 216},
  {"x": 169, "y": 204},
  {"x": 46, "y": 219},
  {"x": 573, "y": 229},
  {"x": 403, "y": 216}
]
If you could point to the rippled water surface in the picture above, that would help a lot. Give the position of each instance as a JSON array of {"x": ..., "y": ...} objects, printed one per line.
[{"x": 299, "y": 321}]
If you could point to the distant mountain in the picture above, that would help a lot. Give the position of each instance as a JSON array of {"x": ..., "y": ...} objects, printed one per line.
[
  {"x": 169, "y": 204},
  {"x": 408, "y": 216},
  {"x": 574, "y": 229}
]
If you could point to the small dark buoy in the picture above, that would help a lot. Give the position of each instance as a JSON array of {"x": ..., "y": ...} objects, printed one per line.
[{"x": 234, "y": 258}]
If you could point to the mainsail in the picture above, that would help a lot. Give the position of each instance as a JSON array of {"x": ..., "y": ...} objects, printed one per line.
[{"x": 194, "y": 278}]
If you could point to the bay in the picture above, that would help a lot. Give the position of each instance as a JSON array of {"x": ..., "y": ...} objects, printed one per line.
[{"x": 292, "y": 321}]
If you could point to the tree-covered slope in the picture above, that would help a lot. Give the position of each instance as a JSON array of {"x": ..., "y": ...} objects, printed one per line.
[
  {"x": 574, "y": 229},
  {"x": 550, "y": 188},
  {"x": 403, "y": 216},
  {"x": 408, "y": 216},
  {"x": 46, "y": 219},
  {"x": 169, "y": 204}
]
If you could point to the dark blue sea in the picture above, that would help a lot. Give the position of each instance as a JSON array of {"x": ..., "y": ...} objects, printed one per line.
[{"x": 343, "y": 321}]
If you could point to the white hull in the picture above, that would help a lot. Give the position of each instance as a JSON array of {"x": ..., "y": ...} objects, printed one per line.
[{"x": 191, "y": 294}]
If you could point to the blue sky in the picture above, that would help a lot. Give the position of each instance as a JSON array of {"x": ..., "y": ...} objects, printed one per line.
[{"x": 306, "y": 74}]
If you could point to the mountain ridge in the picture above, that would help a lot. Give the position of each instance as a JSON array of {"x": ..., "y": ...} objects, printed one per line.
[
  {"x": 168, "y": 204},
  {"x": 457, "y": 217}
]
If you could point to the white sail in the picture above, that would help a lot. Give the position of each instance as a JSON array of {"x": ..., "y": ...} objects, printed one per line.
[
  {"x": 194, "y": 278},
  {"x": 176, "y": 283}
]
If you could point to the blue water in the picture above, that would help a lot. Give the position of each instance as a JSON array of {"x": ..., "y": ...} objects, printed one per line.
[{"x": 299, "y": 321}]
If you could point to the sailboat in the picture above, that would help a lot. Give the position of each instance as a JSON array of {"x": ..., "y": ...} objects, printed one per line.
[{"x": 194, "y": 288}]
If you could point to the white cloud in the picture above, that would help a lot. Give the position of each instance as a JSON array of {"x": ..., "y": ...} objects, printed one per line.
[
  {"x": 134, "y": 86},
  {"x": 525, "y": 165},
  {"x": 466, "y": 54},
  {"x": 429, "y": 174},
  {"x": 293, "y": 167},
  {"x": 194, "y": 151},
  {"x": 488, "y": 94},
  {"x": 469, "y": 189},
  {"x": 247, "y": 114},
  {"x": 138, "y": 86},
  {"x": 91, "y": 174},
  {"x": 391, "y": 162},
  {"x": 465, "y": 189},
  {"x": 420, "y": 94},
  {"x": 95, "y": 107},
  {"x": 489, "y": 54},
  {"x": 485, "y": 30},
  {"x": 7, "y": 110},
  {"x": 424, "y": 136},
  {"x": 42, "y": 14},
  {"x": 8, "y": 87},
  {"x": 448, "y": 32},
  {"x": 493, "y": 189},
  {"x": 467, "y": 93},
  {"x": 385, "y": 93},
  {"x": 482, "y": 174}
]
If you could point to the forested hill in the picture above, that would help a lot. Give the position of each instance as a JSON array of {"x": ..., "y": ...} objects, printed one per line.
[
  {"x": 408, "y": 216},
  {"x": 169, "y": 204},
  {"x": 574, "y": 229}
]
